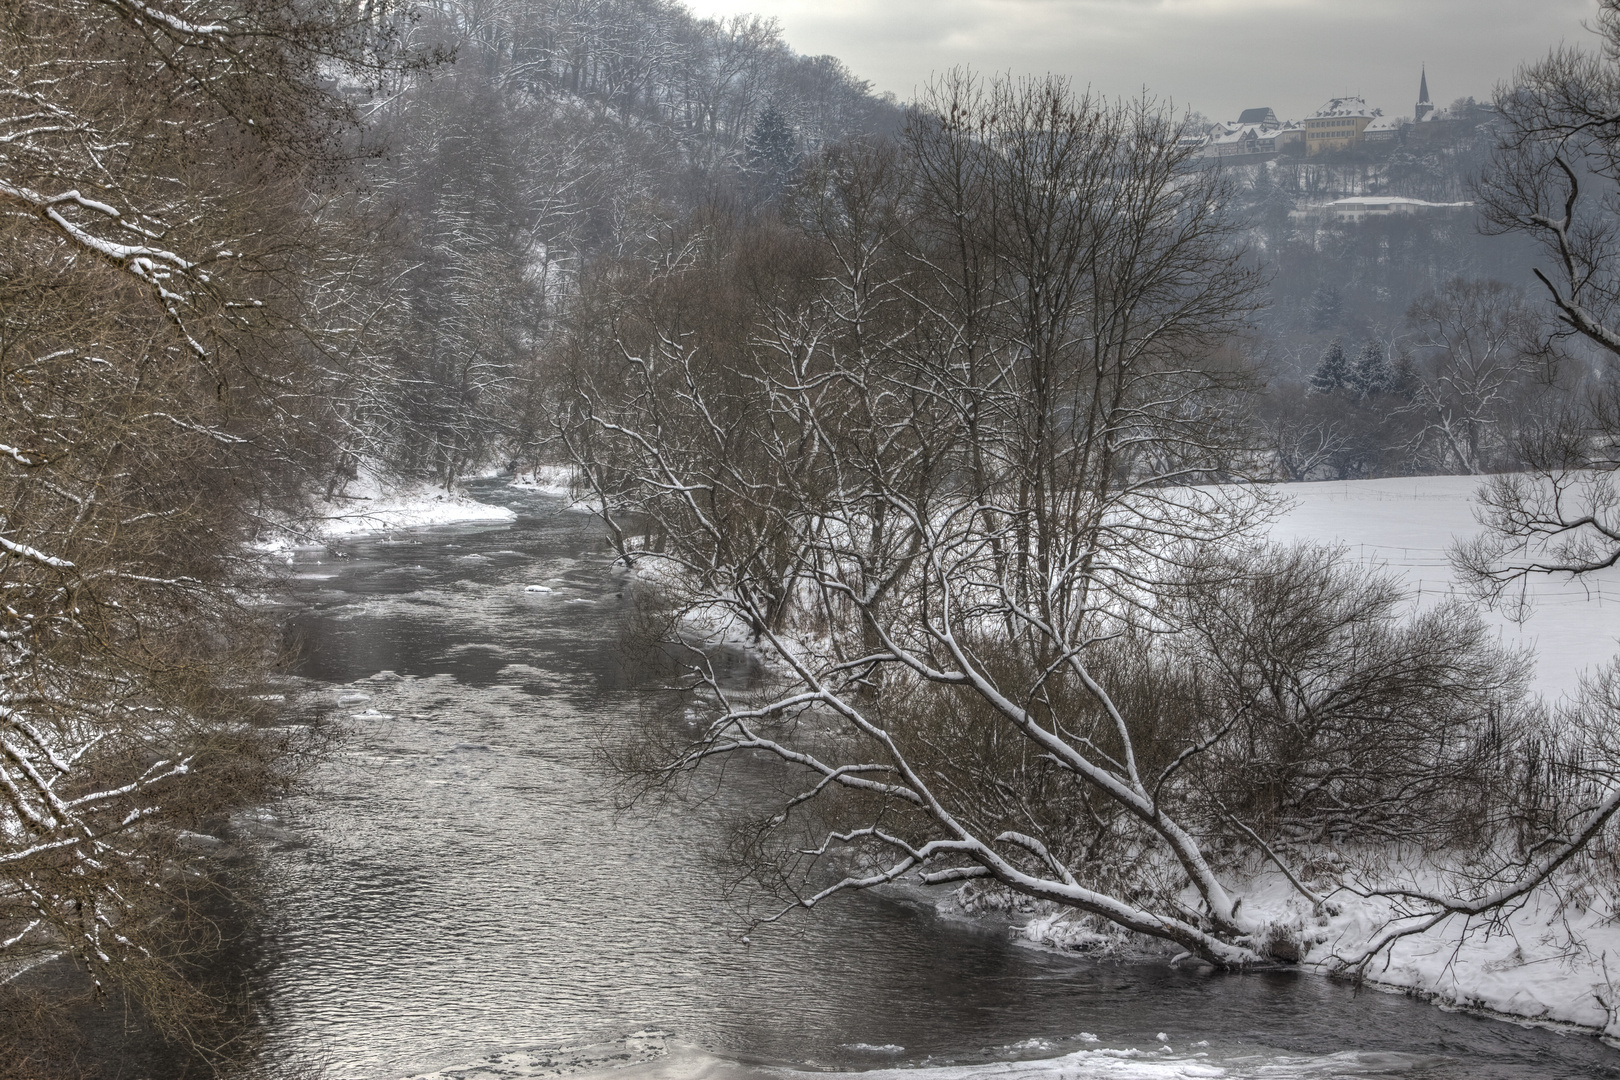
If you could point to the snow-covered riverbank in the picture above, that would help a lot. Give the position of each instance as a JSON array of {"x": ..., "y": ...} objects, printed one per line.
[
  {"x": 1556, "y": 958},
  {"x": 1553, "y": 962},
  {"x": 370, "y": 507},
  {"x": 558, "y": 480},
  {"x": 1545, "y": 961}
]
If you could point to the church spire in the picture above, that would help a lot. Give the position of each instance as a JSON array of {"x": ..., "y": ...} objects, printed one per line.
[{"x": 1424, "y": 106}]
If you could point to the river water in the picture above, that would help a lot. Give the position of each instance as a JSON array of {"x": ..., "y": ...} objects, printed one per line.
[{"x": 456, "y": 893}]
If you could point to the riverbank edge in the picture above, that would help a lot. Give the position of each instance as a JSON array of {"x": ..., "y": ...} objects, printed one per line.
[
  {"x": 1514, "y": 969},
  {"x": 1543, "y": 964},
  {"x": 1455, "y": 967},
  {"x": 370, "y": 507},
  {"x": 1028, "y": 922}
]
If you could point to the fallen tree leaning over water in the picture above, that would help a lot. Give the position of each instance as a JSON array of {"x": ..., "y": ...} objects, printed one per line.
[{"x": 956, "y": 448}]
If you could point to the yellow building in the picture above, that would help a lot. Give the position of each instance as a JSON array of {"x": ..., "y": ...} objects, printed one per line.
[{"x": 1337, "y": 125}]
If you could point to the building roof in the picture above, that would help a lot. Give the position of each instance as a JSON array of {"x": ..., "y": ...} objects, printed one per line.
[
  {"x": 1386, "y": 123},
  {"x": 1238, "y": 135},
  {"x": 1423, "y": 87},
  {"x": 1361, "y": 202},
  {"x": 1258, "y": 116},
  {"x": 1344, "y": 106}
]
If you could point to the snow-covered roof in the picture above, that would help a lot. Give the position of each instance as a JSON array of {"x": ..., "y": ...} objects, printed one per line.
[
  {"x": 1386, "y": 123},
  {"x": 1361, "y": 202},
  {"x": 1235, "y": 136},
  {"x": 1344, "y": 106},
  {"x": 1359, "y": 206}
]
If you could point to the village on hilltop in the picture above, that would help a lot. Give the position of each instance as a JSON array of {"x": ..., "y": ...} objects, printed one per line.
[
  {"x": 1342, "y": 124},
  {"x": 1344, "y": 130}
]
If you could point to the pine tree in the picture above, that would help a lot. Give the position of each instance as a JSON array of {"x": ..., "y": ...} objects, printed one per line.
[
  {"x": 1372, "y": 373},
  {"x": 772, "y": 147},
  {"x": 1332, "y": 372}
]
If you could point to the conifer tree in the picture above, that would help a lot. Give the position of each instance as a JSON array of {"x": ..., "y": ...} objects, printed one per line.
[
  {"x": 772, "y": 147},
  {"x": 1332, "y": 372},
  {"x": 1372, "y": 373}
]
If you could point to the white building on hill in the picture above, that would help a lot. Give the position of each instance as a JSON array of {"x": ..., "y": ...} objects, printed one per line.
[{"x": 1362, "y": 207}]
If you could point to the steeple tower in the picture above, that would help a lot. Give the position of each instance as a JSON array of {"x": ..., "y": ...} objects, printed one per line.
[{"x": 1424, "y": 105}]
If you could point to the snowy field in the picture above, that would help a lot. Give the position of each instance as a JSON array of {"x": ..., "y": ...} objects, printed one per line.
[
  {"x": 1406, "y": 527},
  {"x": 1530, "y": 967}
]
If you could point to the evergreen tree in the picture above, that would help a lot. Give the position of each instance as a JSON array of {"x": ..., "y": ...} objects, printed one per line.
[
  {"x": 773, "y": 148},
  {"x": 1332, "y": 372},
  {"x": 1373, "y": 373}
]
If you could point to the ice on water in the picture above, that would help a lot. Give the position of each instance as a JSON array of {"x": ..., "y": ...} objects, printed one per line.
[{"x": 649, "y": 1055}]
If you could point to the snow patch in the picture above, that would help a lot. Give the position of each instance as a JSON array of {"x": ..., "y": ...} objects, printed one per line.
[
  {"x": 371, "y": 506},
  {"x": 556, "y": 480}
]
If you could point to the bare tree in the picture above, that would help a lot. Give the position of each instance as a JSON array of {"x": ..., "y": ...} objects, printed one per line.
[
  {"x": 1315, "y": 436},
  {"x": 944, "y": 452},
  {"x": 165, "y": 168},
  {"x": 980, "y": 474},
  {"x": 1477, "y": 344},
  {"x": 1555, "y": 176}
]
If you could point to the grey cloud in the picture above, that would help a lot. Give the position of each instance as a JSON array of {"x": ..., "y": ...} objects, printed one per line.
[{"x": 1218, "y": 56}]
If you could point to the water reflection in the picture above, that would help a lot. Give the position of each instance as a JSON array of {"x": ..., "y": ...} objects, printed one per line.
[{"x": 458, "y": 883}]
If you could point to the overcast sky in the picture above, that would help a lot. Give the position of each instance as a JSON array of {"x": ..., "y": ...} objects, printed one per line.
[{"x": 1217, "y": 56}]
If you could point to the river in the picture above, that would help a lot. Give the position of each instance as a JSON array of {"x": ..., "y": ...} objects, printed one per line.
[{"x": 457, "y": 893}]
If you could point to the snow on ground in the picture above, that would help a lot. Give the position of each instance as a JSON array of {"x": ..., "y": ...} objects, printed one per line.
[
  {"x": 1407, "y": 525},
  {"x": 1547, "y": 962},
  {"x": 548, "y": 479},
  {"x": 376, "y": 507},
  {"x": 370, "y": 505},
  {"x": 1525, "y": 967},
  {"x": 1553, "y": 962},
  {"x": 1556, "y": 960}
]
